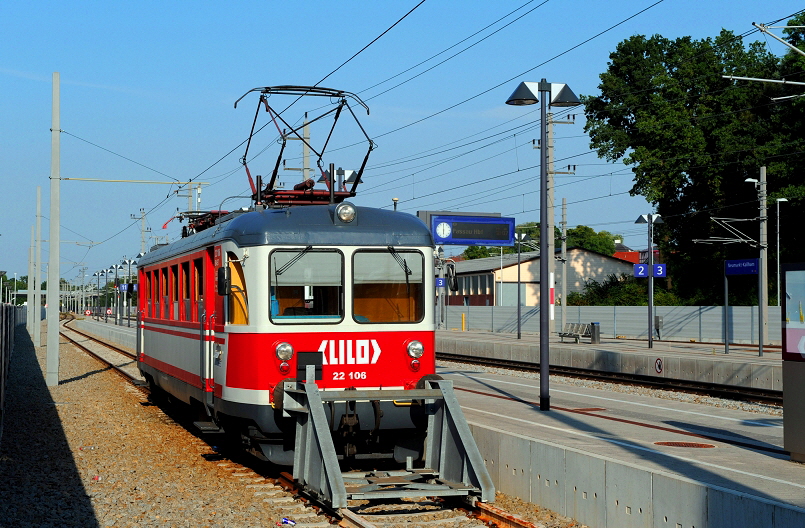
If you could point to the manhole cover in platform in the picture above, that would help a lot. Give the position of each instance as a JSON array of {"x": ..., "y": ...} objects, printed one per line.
[{"x": 684, "y": 444}]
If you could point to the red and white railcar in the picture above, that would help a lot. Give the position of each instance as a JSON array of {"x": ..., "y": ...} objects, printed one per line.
[
  {"x": 303, "y": 327},
  {"x": 230, "y": 312}
]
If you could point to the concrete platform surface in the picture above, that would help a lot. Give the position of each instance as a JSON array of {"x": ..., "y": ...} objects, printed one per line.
[
  {"x": 742, "y": 366},
  {"x": 595, "y": 455}
]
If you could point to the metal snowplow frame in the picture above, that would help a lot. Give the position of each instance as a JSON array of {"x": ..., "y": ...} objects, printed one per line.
[{"x": 453, "y": 465}]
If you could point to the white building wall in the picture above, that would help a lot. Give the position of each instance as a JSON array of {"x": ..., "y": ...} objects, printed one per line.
[{"x": 582, "y": 266}]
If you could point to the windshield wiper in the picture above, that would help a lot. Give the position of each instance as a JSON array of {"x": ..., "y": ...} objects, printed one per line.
[
  {"x": 291, "y": 262},
  {"x": 400, "y": 261}
]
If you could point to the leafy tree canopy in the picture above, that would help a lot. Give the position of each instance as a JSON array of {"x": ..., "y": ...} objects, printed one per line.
[
  {"x": 475, "y": 252},
  {"x": 691, "y": 138},
  {"x": 583, "y": 236}
]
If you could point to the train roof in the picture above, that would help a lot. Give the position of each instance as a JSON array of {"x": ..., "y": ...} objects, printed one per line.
[{"x": 303, "y": 226}]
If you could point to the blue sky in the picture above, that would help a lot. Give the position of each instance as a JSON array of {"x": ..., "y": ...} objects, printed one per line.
[{"x": 155, "y": 82}]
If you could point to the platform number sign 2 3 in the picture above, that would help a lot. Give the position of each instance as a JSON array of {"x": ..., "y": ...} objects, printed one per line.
[{"x": 642, "y": 270}]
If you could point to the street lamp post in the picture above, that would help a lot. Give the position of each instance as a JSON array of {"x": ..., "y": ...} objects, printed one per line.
[
  {"x": 98, "y": 274},
  {"x": 127, "y": 294},
  {"x": 545, "y": 93},
  {"x": 763, "y": 273},
  {"x": 650, "y": 219},
  {"x": 115, "y": 268},
  {"x": 778, "y": 200}
]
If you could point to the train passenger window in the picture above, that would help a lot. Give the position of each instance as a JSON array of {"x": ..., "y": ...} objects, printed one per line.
[
  {"x": 306, "y": 286},
  {"x": 156, "y": 296},
  {"x": 185, "y": 309},
  {"x": 198, "y": 288},
  {"x": 149, "y": 297},
  {"x": 238, "y": 309},
  {"x": 163, "y": 285},
  {"x": 388, "y": 286},
  {"x": 174, "y": 292}
]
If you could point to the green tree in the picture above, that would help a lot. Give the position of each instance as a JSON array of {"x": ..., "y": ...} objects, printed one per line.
[
  {"x": 692, "y": 137},
  {"x": 621, "y": 290},
  {"x": 586, "y": 237},
  {"x": 476, "y": 252}
]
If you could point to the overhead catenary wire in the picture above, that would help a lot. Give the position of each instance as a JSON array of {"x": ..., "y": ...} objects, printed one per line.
[{"x": 229, "y": 173}]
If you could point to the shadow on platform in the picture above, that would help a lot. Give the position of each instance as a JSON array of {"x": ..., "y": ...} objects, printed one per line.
[{"x": 39, "y": 482}]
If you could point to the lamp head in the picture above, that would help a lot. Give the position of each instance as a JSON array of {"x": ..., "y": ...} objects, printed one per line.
[
  {"x": 524, "y": 94},
  {"x": 527, "y": 93},
  {"x": 781, "y": 200},
  {"x": 562, "y": 95}
]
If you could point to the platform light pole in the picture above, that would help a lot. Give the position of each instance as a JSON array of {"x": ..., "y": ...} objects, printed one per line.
[
  {"x": 127, "y": 295},
  {"x": 778, "y": 200},
  {"x": 545, "y": 93},
  {"x": 114, "y": 268},
  {"x": 98, "y": 274},
  {"x": 763, "y": 273},
  {"x": 650, "y": 219}
]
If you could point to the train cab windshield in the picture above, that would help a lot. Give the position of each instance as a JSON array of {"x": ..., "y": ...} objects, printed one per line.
[
  {"x": 388, "y": 286},
  {"x": 306, "y": 285}
]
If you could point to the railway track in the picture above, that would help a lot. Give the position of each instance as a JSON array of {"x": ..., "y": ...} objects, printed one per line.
[
  {"x": 728, "y": 392},
  {"x": 279, "y": 488}
]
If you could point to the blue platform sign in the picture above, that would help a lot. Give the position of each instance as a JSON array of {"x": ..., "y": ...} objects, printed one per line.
[
  {"x": 441, "y": 282},
  {"x": 741, "y": 267},
  {"x": 472, "y": 230},
  {"x": 641, "y": 270}
]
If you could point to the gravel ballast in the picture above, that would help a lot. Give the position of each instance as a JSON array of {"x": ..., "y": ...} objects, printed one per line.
[{"x": 93, "y": 452}]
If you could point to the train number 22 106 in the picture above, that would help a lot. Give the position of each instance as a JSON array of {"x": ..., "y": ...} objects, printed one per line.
[{"x": 340, "y": 376}]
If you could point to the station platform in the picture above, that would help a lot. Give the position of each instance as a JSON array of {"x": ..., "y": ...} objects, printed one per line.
[
  {"x": 621, "y": 459},
  {"x": 701, "y": 362}
]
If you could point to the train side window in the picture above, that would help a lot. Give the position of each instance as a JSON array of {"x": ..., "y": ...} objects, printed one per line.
[
  {"x": 163, "y": 294},
  {"x": 174, "y": 292},
  {"x": 149, "y": 297},
  {"x": 388, "y": 286},
  {"x": 155, "y": 294},
  {"x": 238, "y": 309},
  {"x": 306, "y": 286},
  {"x": 198, "y": 288},
  {"x": 185, "y": 309}
]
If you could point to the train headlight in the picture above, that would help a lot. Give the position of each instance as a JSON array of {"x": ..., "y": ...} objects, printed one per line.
[
  {"x": 284, "y": 351},
  {"x": 346, "y": 212},
  {"x": 416, "y": 349}
]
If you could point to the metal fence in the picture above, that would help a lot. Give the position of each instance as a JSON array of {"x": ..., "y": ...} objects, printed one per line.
[
  {"x": 10, "y": 317},
  {"x": 680, "y": 323}
]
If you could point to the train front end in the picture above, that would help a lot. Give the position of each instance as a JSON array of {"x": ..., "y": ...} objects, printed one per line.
[{"x": 337, "y": 295}]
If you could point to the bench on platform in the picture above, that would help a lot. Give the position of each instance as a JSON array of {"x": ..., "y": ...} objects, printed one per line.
[{"x": 576, "y": 331}]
